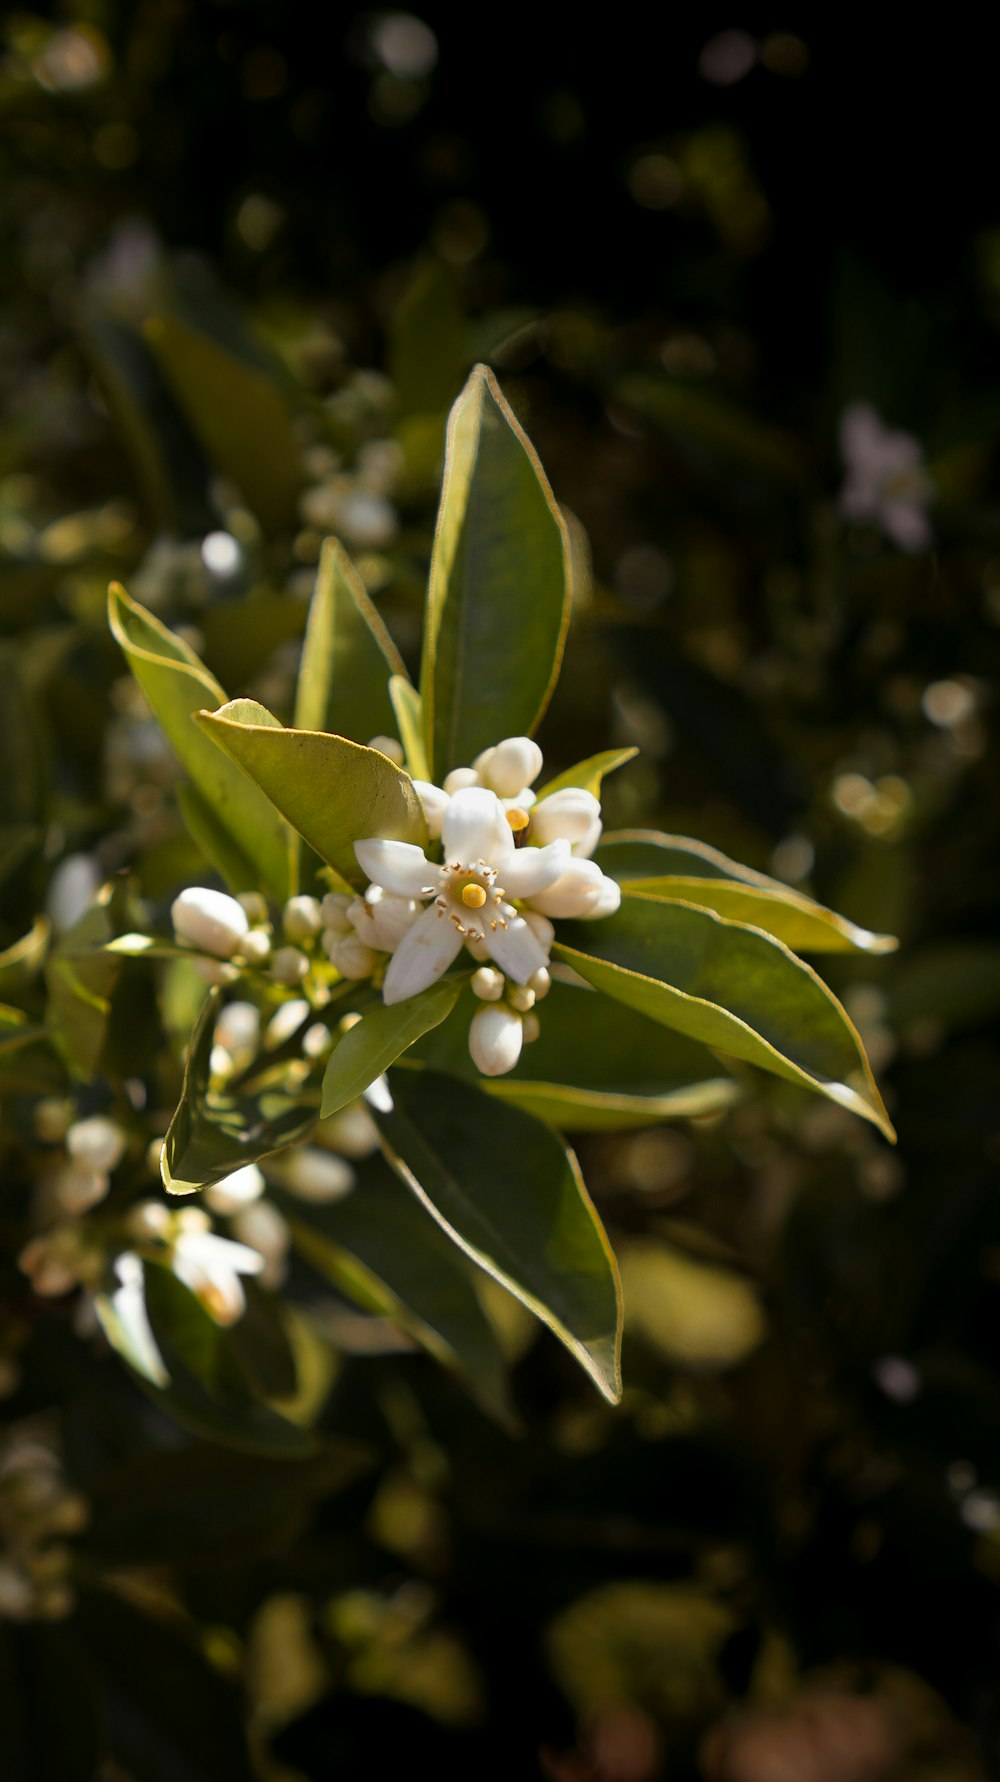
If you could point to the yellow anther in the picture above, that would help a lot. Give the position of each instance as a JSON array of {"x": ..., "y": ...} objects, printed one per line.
[
  {"x": 517, "y": 818},
  {"x": 473, "y": 896}
]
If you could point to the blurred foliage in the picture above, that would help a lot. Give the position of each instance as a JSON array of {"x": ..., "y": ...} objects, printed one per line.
[{"x": 247, "y": 268}]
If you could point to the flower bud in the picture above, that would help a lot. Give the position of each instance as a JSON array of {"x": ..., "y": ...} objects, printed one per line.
[
  {"x": 541, "y": 928},
  {"x": 53, "y": 1118},
  {"x": 253, "y": 905},
  {"x": 79, "y": 1188},
  {"x": 387, "y": 745},
  {"x": 350, "y": 955},
  {"x": 540, "y": 983},
  {"x": 532, "y": 1027},
  {"x": 510, "y": 766},
  {"x": 434, "y": 803},
  {"x": 353, "y": 1130},
  {"x": 572, "y": 815},
  {"x": 236, "y": 1191},
  {"x": 289, "y": 966},
  {"x": 459, "y": 779},
  {"x": 209, "y": 920},
  {"x": 215, "y": 971},
  {"x": 583, "y": 890},
  {"x": 302, "y": 918},
  {"x": 96, "y": 1143},
  {"x": 381, "y": 918},
  {"x": 148, "y": 1219},
  {"x": 488, "y": 983},
  {"x": 317, "y": 1176},
  {"x": 521, "y": 998},
  {"x": 286, "y": 1021},
  {"x": 238, "y": 1029},
  {"x": 495, "y": 1036},
  {"x": 256, "y": 949},
  {"x": 333, "y": 912}
]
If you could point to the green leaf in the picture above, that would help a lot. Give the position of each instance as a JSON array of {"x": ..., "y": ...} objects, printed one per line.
[
  {"x": 380, "y": 1037},
  {"x": 731, "y": 987},
  {"x": 22, "y": 962},
  {"x": 498, "y": 600},
  {"x": 410, "y": 723},
  {"x": 379, "y": 1247},
  {"x": 348, "y": 656},
  {"x": 80, "y": 979},
  {"x": 594, "y": 1067},
  {"x": 178, "y": 685},
  {"x": 590, "y": 773},
  {"x": 334, "y": 792},
  {"x": 216, "y": 842},
  {"x": 240, "y": 412},
  {"x": 217, "y": 1130},
  {"x": 510, "y": 1194},
  {"x": 674, "y": 866},
  {"x": 427, "y": 356}
]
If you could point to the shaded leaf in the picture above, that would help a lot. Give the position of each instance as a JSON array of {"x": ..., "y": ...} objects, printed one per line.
[
  {"x": 730, "y": 987},
  {"x": 333, "y": 791},
  {"x": 511, "y": 1196},
  {"x": 498, "y": 600},
  {"x": 379, "y": 1037},
  {"x": 348, "y": 656},
  {"x": 407, "y": 706}
]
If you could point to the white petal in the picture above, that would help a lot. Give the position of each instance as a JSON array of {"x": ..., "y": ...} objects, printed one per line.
[
  {"x": 495, "y": 1038},
  {"x": 516, "y": 950},
  {"x": 397, "y": 866},
  {"x": 583, "y": 890},
  {"x": 422, "y": 956},
  {"x": 475, "y": 827},
  {"x": 460, "y": 779},
  {"x": 534, "y": 869},
  {"x": 434, "y": 803},
  {"x": 513, "y": 764},
  {"x": 236, "y": 1190},
  {"x": 573, "y": 813}
]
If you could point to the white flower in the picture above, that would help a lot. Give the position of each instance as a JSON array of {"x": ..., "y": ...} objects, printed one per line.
[
  {"x": 886, "y": 481},
  {"x": 211, "y": 1266},
  {"x": 236, "y": 1191},
  {"x": 317, "y": 1176},
  {"x": 381, "y": 919},
  {"x": 482, "y": 870},
  {"x": 77, "y": 1188},
  {"x": 262, "y": 1227},
  {"x": 434, "y": 801},
  {"x": 510, "y": 766},
  {"x": 96, "y": 1143},
  {"x": 209, "y": 920},
  {"x": 583, "y": 890},
  {"x": 571, "y": 814},
  {"x": 495, "y": 1037},
  {"x": 128, "y": 1301},
  {"x": 352, "y": 956}
]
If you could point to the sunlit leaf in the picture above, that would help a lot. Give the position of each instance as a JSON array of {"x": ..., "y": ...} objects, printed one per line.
[
  {"x": 731, "y": 987},
  {"x": 590, "y": 773},
  {"x": 498, "y": 601},
  {"x": 407, "y": 706},
  {"x": 333, "y": 791},
  {"x": 509, "y": 1193}
]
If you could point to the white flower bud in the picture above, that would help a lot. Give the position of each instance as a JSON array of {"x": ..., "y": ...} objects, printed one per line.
[
  {"x": 583, "y": 890},
  {"x": 572, "y": 815},
  {"x": 367, "y": 520},
  {"x": 532, "y": 1028},
  {"x": 96, "y": 1143},
  {"x": 253, "y": 905},
  {"x": 286, "y": 1021},
  {"x": 511, "y": 766},
  {"x": 78, "y": 1189},
  {"x": 350, "y": 955},
  {"x": 488, "y": 983},
  {"x": 541, "y": 928},
  {"x": 352, "y": 1131},
  {"x": 289, "y": 966},
  {"x": 256, "y": 949},
  {"x": 459, "y": 778},
  {"x": 521, "y": 998},
  {"x": 434, "y": 803},
  {"x": 302, "y": 918},
  {"x": 495, "y": 1036},
  {"x": 238, "y": 1029},
  {"x": 215, "y": 971},
  {"x": 51, "y": 1262},
  {"x": 540, "y": 983},
  {"x": 147, "y": 1219},
  {"x": 333, "y": 912},
  {"x": 236, "y": 1191},
  {"x": 317, "y": 1176},
  {"x": 387, "y": 745},
  {"x": 316, "y": 1041},
  {"x": 209, "y": 920}
]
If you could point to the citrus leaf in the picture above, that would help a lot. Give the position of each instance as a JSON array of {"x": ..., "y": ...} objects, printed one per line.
[
  {"x": 348, "y": 655},
  {"x": 379, "y": 1037},
  {"x": 589, "y": 773}
]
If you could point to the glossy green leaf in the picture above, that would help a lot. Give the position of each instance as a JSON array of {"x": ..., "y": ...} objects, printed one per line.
[
  {"x": 379, "y": 1247},
  {"x": 407, "y": 706},
  {"x": 595, "y": 1066},
  {"x": 674, "y": 866},
  {"x": 510, "y": 1194},
  {"x": 216, "y": 1130},
  {"x": 333, "y": 791},
  {"x": 731, "y": 987},
  {"x": 498, "y": 600},
  {"x": 240, "y": 412},
  {"x": 178, "y": 685},
  {"x": 21, "y": 962},
  {"x": 589, "y": 773},
  {"x": 347, "y": 658},
  {"x": 380, "y": 1037}
]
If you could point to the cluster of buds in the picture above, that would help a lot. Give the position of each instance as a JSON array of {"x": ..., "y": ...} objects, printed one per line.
[
  {"x": 70, "y": 1185},
  {"x": 38, "y": 1510},
  {"x": 511, "y": 862}
]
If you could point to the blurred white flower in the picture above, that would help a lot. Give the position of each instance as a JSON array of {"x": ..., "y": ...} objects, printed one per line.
[
  {"x": 209, "y": 920},
  {"x": 886, "y": 482},
  {"x": 211, "y": 1267}
]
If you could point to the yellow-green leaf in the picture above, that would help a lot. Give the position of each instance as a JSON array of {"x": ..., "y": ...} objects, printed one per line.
[{"x": 348, "y": 656}]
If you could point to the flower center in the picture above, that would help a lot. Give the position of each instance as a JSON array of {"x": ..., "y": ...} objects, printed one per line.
[
  {"x": 465, "y": 891},
  {"x": 473, "y": 896}
]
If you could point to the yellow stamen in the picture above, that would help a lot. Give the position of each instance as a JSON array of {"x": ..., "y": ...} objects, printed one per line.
[
  {"x": 473, "y": 896},
  {"x": 518, "y": 819}
]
